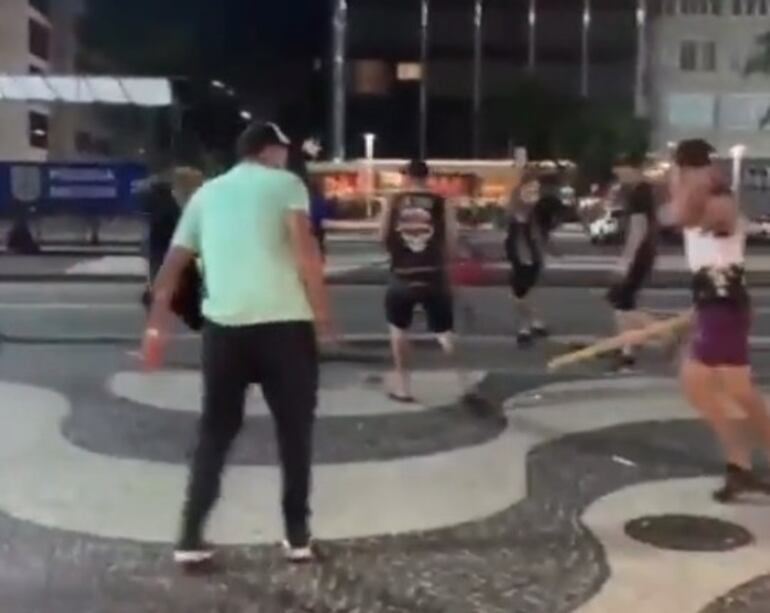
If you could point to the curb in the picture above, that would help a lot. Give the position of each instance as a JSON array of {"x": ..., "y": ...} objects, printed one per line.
[{"x": 360, "y": 340}]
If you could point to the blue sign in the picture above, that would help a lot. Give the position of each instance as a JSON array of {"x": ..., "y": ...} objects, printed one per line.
[{"x": 51, "y": 189}]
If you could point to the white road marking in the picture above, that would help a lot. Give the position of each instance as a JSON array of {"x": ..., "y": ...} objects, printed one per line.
[{"x": 343, "y": 391}]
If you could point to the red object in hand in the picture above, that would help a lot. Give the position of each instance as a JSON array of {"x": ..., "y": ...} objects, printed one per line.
[
  {"x": 152, "y": 349},
  {"x": 468, "y": 272}
]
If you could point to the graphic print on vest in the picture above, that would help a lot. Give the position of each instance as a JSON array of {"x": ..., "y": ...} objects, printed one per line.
[{"x": 414, "y": 223}]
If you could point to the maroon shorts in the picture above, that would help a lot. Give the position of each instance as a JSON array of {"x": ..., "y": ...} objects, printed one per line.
[{"x": 721, "y": 334}]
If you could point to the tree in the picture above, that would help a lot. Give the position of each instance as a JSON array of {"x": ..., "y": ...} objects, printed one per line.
[
  {"x": 759, "y": 62},
  {"x": 554, "y": 125}
]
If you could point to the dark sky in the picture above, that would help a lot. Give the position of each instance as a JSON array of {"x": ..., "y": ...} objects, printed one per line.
[{"x": 236, "y": 39}]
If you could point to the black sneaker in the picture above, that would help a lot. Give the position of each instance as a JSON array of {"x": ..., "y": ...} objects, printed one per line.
[
  {"x": 739, "y": 481},
  {"x": 623, "y": 364},
  {"x": 540, "y": 330},
  {"x": 524, "y": 338}
]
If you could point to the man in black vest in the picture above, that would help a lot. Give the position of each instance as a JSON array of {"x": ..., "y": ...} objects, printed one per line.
[{"x": 419, "y": 231}]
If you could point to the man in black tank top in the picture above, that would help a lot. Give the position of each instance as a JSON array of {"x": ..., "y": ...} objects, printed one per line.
[
  {"x": 639, "y": 252},
  {"x": 419, "y": 231}
]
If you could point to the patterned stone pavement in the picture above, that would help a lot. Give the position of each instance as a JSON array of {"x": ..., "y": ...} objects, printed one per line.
[{"x": 422, "y": 509}]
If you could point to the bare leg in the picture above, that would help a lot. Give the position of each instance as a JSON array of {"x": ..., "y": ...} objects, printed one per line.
[
  {"x": 626, "y": 321},
  {"x": 538, "y": 325},
  {"x": 523, "y": 313},
  {"x": 448, "y": 343},
  {"x": 739, "y": 386},
  {"x": 702, "y": 388},
  {"x": 399, "y": 343}
]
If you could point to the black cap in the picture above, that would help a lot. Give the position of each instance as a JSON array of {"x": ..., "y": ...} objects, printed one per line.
[
  {"x": 694, "y": 153},
  {"x": 417, "y": 169},
  {"x": 258, "y": 136}
]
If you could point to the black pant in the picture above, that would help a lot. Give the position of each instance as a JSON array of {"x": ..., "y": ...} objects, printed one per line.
[
  {"x": 283, "y": 359},
  {"x": 623, "y": 294}
]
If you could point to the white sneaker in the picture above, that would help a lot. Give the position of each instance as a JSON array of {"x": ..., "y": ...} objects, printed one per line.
[
  {"x": 299, "y": 555},
  {"x": 192, "y": 557}
]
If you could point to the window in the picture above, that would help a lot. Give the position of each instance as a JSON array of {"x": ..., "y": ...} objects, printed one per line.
[
  {"x": 38, "y": 130},
  {"x": 698, "y": 56},
  {"x": 709, "y": 56},
  {"x": 688, "y": 56},
  {"x": 39, "y": 39},
  {"x": 669, "y": 7},
  {"x": 756, "y": 7},
  {"x": 737, "y": 7},
  {"x": 743, "y": 112},
  {"x": 695, "y": 7},
  {"x": 372, "y": 77},
  {"x": 716, "y": 7},
  {"x": 88, "y": 144},
  {"x": 409, "y": 71},
  {"x": 83, "y": 142},
  {"x": 42, "y": 6},
  {"x": 691, "y": 111}
]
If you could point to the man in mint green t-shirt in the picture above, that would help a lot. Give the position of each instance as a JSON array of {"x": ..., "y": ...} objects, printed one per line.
[{"x": 264, "y": 303}]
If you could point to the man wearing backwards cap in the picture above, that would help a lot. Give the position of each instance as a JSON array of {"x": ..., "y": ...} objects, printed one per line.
[
  {"x": 640, "y": 250},
  {"x": 419, "y": 231},
  {"x": 265, "y": 302}
]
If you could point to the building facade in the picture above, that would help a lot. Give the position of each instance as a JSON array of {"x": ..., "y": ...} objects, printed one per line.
[
  {"x": 519, "y": 39},
  {"x": 40, "y": 37},
  {"x": 698, "y": 84}
]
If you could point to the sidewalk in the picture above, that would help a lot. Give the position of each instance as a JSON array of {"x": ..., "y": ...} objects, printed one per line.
[{"x": 578, "y": 494}]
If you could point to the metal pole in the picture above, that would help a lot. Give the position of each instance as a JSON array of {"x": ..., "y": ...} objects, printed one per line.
[
  {"x": 585, "y": 55},
  {"x": 339, "y": 96},
  {"x": 640, "y": 98},
  {"x": 737, "y": 153},
  {"x": 424, "y": 43},
  {"x": 478, "y": 36},
  {"x": 532, "y": 51}
]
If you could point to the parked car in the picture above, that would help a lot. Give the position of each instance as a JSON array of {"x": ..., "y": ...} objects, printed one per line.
[{"x": 758, "y": 230}]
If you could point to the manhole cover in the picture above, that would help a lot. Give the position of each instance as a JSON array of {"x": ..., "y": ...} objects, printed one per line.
[{"x": 688, "y": 533}]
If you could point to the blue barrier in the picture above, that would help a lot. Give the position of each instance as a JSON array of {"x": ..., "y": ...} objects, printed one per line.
[{"x": 102, "y": 190}]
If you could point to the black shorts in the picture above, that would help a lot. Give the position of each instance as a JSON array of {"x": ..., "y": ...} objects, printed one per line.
[
  {"x": 623, "y": 294},
  {"x": 435, "y": 298},
  {"x": 523, "y": 278}
]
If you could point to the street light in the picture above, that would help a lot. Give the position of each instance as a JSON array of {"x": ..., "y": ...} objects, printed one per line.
[
  {"x": 339, "y": 61},
  {"x": 737, "y": 152},
  {"x": 424, "y": 48},
  {"x": 640, "y": 98},
  {"x": 532, "y": 51},
  {"x": 246, "y": 115},
  {"x": 584, "y": 55},
  {"x": 478, "y": 60},
  {"x": 369, "y": 140}
]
